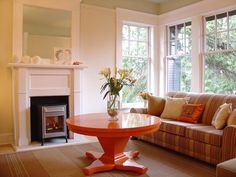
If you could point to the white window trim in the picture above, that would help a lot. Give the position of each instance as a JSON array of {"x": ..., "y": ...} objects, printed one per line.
[
  {"x": 141, "y": 19},
  {"x": 177, "y": 55},
  {"x": 194, "y": 13},
  {"x": 204, "y": 53},
  {"x": 217, "y": 32}
]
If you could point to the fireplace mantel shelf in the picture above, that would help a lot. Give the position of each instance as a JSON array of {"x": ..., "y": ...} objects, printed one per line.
[{"x": 52, "y": 66}]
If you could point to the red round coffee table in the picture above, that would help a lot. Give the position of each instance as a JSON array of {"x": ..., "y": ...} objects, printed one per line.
[{"x": 113, "y": 137}]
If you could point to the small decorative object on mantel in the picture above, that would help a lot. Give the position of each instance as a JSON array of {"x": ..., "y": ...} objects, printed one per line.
[
  {"x": 144, "y": 96},
  {"x": 36, "y": 60},
  {"x": 113, "y": 86},
  {"x": 77, "y": 62},
  {"x": 26, "y": 59},
  {"x": 62, "y": 56},
  {"x": 16, "y": 59}
]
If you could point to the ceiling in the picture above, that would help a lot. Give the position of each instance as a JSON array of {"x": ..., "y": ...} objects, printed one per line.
[
  {"x": 158, "y": 1},
  {"x": 148, "y": 6}
]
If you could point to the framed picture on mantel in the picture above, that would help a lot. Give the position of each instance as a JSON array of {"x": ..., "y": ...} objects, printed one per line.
[{"x": 62, "y": 55}]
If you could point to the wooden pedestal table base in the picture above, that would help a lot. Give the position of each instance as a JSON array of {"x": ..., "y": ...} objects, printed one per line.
[
  {"x": 113, "y": 157},
  {"x": 113, "y": 136}
]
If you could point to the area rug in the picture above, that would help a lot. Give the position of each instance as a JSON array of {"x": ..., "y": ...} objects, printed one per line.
[{"x": 67, "y": 161}]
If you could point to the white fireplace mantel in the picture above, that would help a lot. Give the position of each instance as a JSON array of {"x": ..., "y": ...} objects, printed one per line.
[{"x": 42, "y": 80}]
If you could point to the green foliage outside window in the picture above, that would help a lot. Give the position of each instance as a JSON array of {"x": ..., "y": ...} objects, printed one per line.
[
  {"x": 180, "y": 60},
  {"x": 220, "y": 59},
  {"x": 135, "y": 55},
  {"x": 220, "y": 73}
]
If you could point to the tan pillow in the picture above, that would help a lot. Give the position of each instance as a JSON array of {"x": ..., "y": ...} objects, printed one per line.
[
  {"x": 232, "y": 118},
  {"x": 155, "y": 105},
  {"x": 221, "y": 115},
  {"x": 173, "y": 107}
]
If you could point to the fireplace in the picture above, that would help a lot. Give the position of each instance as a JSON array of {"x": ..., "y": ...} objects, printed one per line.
[
  {"x": 47, "y": 117},
  {"x": 53, "y": 122},
  {"x": 38, "y": 81}
]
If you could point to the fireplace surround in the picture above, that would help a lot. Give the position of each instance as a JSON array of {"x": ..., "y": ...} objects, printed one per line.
[{"x": 30, "y": 80}]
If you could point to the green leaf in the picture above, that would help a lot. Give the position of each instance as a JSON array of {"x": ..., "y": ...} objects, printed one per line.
[{"x": 106, "y": 94}]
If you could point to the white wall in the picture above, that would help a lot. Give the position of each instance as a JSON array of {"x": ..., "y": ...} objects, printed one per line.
[
  {"x": 100, "y": 43},
  {"x": 97, "y": 50}
]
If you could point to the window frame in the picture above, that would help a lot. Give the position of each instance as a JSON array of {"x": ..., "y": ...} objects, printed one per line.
[
  {"x": 169, "y": 55},
  {"x": 216, "y": 50},
  {"x": 216, "y": 32},
  {"x": 149, "y": 58}
]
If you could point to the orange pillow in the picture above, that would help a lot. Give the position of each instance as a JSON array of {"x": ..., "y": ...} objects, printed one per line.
[{"x": 191, "y": 113}]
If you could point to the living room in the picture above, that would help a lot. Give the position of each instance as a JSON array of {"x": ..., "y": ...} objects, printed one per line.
[{"x": 182, "y": 45}]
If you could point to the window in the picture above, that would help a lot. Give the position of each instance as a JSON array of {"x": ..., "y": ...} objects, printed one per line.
[
  {"x": 136, "y": 55},
  {"x": 179, "y": 70},
  {"x": 220, "y": 53}
]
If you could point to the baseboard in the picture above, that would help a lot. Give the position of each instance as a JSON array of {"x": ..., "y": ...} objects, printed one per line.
[{"x": 6, "y": 138}]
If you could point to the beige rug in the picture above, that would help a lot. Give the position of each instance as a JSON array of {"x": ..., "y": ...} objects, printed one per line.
[{"x": 67, "y": 161}]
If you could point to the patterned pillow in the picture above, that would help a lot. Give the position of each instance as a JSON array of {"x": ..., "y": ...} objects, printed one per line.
[
  {"x": 221, "y": 115},
  {"x": 173, "y": 107},
  {"x": 191, "y": 113},
  {"x": 232, "y": 118}
]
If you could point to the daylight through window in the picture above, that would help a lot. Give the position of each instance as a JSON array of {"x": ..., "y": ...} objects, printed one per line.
[
  {"x": 136, "y": 55},
  {"x": 179, "y": 59},
  {"x": 220, "y": 53}
]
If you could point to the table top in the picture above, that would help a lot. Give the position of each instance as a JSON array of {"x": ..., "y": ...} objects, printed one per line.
[{"x": 128, "y": 124}]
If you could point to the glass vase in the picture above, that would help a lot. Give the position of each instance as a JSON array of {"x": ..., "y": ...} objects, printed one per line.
[
  {"x": 145, "y": 103},
  {"x": 113, "y": 106}
]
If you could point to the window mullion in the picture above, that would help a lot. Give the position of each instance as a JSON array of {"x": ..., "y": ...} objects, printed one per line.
[
  {"x": 227, "y": 30},
  {"x": 176, "y": 39},
  {"x": 184, "y": 38},
  {"x": 215, "y": 33}
]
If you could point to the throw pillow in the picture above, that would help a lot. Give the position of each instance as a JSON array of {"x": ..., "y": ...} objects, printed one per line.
[
  {"x": 221, "y": 115},
  {"x": 191, "y": 113},
  {"x": 232, "y": 118},
  {"x": 173, "y": 107},
  {"x": 155, "y": 105}
]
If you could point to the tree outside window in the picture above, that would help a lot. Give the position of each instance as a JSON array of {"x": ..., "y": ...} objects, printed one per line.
[
  {"x": 136, "y": 55},
  {"x": 220, "y": 53},
  {"x": 179, "y": 60}
]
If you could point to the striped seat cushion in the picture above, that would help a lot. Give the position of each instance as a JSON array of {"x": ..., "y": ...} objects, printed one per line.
[
  {"x": 205, "y": 134},
  {"x": 174, "y": 127}
]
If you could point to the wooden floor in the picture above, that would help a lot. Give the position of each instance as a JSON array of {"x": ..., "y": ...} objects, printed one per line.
[
  {"x": 6, "y": 149},
  {"x": 69, "y": 160},
  {"x": 55, "y": 142}
]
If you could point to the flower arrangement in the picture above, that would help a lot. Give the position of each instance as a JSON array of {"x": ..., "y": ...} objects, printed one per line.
[
  {"x": 113, "y": 85},
  {"x": 144, "y": 95}
]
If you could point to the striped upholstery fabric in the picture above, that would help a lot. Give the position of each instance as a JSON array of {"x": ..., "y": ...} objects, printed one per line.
[
  {"x": 201, "y": 141},
  {"x": 205, "y": 134},
  {"x": 211, "y": 102},
  {"x": 229, "y": 143},
  {"x": 174, "y": 127},
  {"x": 199, "y": 150}
]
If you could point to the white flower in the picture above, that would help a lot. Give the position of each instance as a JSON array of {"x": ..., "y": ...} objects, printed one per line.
[
  {"x": 106, "y": 72},
  {"x": 124, "y": 73}
]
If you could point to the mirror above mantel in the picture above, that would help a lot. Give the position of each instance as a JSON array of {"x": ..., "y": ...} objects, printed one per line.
[
  {"x": 41, "y": 28},
  {"x": 45, "y": 31}
]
